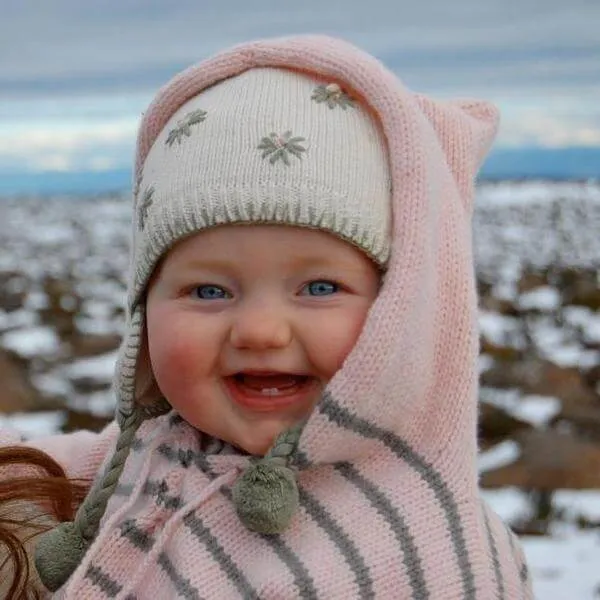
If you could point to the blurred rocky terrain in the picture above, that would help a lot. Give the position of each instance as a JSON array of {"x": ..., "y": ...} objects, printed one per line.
[{"x": 63, "y": 267}]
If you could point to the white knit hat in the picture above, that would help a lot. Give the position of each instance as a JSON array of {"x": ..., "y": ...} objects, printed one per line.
[{"x": 267, "y": 146}]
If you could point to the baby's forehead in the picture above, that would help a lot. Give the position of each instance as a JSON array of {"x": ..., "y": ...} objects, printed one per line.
[{"x": 263, "y": 247}]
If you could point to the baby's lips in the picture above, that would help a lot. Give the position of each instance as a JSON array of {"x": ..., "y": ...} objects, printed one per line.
[{"x": 275, "y": 380}]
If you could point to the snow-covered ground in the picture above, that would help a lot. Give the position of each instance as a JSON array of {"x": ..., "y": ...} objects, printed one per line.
[{"x": 515, "y": 225}]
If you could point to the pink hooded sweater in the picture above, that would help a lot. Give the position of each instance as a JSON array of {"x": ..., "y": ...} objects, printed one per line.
[{"x": 386, "y": 465}]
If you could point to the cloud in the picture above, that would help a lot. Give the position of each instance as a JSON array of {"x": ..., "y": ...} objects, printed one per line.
[
  {"x": 552, "y": 123},
  {"x": 130, "y": 45},
  {"x": 80, "y": 73},
  {"x": 68, "y": 146}
]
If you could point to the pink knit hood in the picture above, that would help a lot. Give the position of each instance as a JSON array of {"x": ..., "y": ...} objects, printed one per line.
[
  {"x": 413, "y": 371},
  {"x": 386, "y": 464}
]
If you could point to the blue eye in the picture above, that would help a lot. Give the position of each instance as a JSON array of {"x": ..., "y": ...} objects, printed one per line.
[
  {"x": 210, "y": 292},
  {"x": 321, "y": 288}
]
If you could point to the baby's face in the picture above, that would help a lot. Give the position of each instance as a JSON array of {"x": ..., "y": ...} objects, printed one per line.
[{"x": 247, "y": 324}]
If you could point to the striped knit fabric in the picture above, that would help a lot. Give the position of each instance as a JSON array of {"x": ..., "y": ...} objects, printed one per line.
[{"x": 389, "y": 500}]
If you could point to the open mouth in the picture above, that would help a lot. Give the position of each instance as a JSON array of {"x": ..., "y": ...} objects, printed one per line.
[{"x": 266, "y": 391}]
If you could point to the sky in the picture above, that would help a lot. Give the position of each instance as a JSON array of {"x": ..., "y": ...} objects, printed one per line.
[{"x": 76, "y": 76}]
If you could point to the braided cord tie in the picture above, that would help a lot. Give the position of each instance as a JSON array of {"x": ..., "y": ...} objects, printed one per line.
[
  {"x": 266, "y": 495},
  {"x": 60, "y": 550}
]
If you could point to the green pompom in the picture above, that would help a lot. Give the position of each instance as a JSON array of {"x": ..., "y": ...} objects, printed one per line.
[
  {"x": 266, "y": 497},
  {"x": 57, "y": 555}
]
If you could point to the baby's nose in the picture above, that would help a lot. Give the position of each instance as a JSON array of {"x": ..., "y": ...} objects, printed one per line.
[{"x": 262, "y": 329}]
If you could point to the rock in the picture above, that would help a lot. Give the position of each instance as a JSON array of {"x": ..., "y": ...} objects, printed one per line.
[
  {"x": 76, "y": 420},
  {"x": 531, "y": 280},
  {"x": 568, "y": 384},
  {"x": 484, "y": 287},
  {"x": 501, "y": 306},
  {"x": 592, "y": 376},
  {"x": 14, "y": 288},
  {"x": 17, "y": 394},
  {"x": 581, "y": 287},
  {"x": 64, "y": 304},
  {"x": 83, "y": 345},
  {"x": 496, "y": 424},
  {"x": 525, "y": 373},
  {"x": 89, "y": 385},
  {"x": 550, "y": 460},
  {"x": 502, "y": 353},
  {"x": 580, "y": 402},
  {"x": 539, "y": 377},
  {"x": 584, "y": 420},
  {"x": 587, "y": 297}
]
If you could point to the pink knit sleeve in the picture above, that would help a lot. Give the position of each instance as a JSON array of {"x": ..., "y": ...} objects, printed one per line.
[{"x": 80, "y": 453}]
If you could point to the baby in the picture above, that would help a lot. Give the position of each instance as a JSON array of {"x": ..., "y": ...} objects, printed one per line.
[{"x": 297, "y": 386}]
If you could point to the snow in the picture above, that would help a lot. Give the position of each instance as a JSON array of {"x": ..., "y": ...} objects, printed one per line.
[
  {"x": 574, "y": 503},
  {"x": 509, "y": 503},
  {"x": 537, "y": 410},
  {"x": 501, "y": 330},
  {"x": 100, "y": 404},
  {"x": 500, "y": 455},
  {"x": 32, "y": 342},
  {"x": 517, "y": 227},
  {"x": 33, "y": 425},
  {"x": 544, "y": 298},
  {"x": 565, "y": 565},
  {"x": 16, "y": 319},
  {"x": 99, "y": 367}
]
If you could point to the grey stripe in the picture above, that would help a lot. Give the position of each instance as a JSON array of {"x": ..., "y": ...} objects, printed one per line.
[
  {"x": 342, "y": 417},
  {"x": 137, "y": 444},
  {"x": 390, "y": 513},
  {"x": 144, "y": 541},
  {"x": 138, "y": 537},
  {"x": 494, "y": 553},
  {"x": 159, "y": 489},
  {"x": 302, "y": 578},
  {"x": 522, "y": 569},
  {"x": 185, "y": 458},
  {"x": 183, "y": 586},
  {"x": 344, "y": 544},
  {"x": 100, "y": 579},
  {"x": 233, "y": 572},
  {"x": 524, "y": 573}
]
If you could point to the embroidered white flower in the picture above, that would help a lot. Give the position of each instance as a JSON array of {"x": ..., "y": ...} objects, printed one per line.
[
  {"x": 184, "y": 127},
  {"x": 279, "y": 147},
  {"x": 333, "y": 95}
]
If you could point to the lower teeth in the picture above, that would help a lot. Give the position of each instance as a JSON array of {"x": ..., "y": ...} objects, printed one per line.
[{"x": 269, "y": 391}]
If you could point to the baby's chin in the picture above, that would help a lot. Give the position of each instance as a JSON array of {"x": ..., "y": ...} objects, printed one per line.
[{"x": 257, "y": 442}]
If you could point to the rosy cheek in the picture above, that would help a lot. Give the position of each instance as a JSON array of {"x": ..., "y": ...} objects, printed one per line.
[
  {"x": 340, "y": 340},
  {"x": 169, "y": 351}
]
